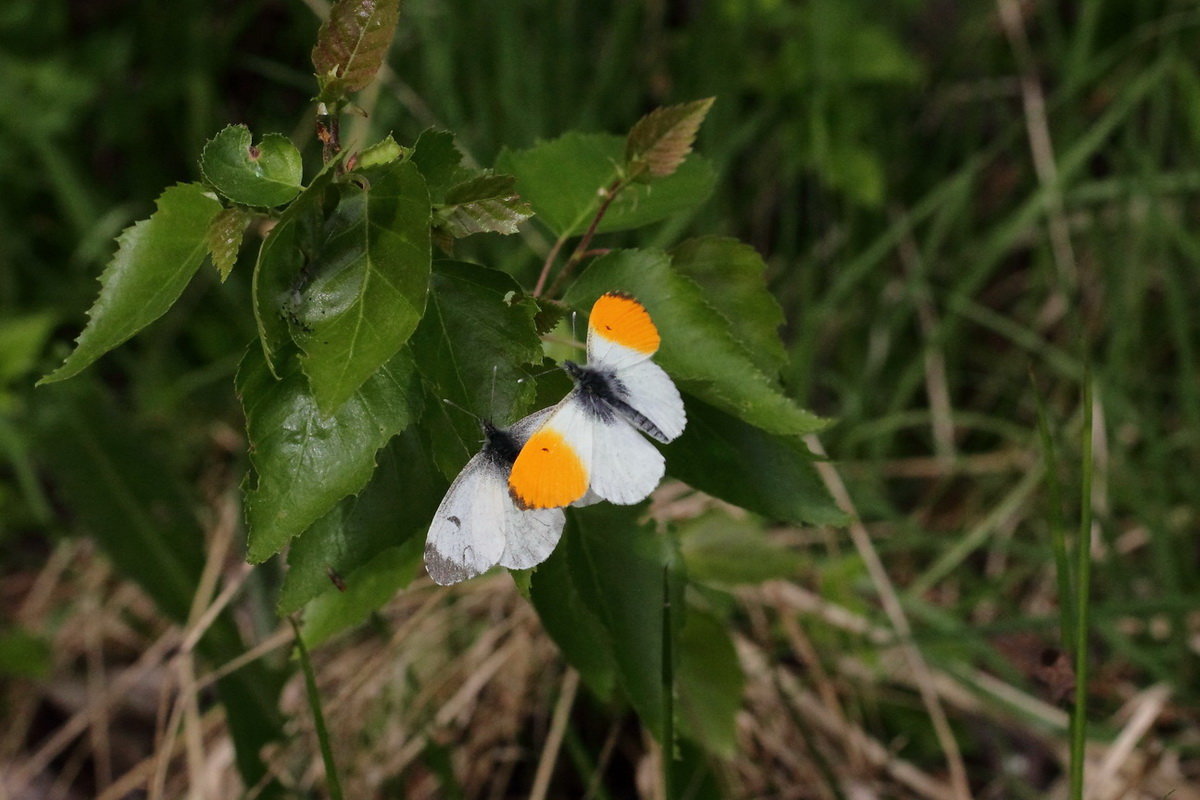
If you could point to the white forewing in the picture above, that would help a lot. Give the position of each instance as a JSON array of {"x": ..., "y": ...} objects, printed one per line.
[
  {"x": 525, "y": 427},
  {"x": 625, "y": 468},
  {"x": 467, "y": 536},
  {"x": 605, "y": 353},
  {"x": 570, "y": 420},
  {"x": 652, "y": 393},
  {"x": 530, "y": 536}
]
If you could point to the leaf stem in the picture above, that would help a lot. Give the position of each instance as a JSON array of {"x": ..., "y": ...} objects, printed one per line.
[
  {"x": 550, "y": 259},
  {"x": 329, "y": 132},
  {"x": 581, "y": 250}
]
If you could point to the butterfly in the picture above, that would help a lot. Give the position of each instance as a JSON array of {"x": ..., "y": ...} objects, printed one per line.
[
  {"x": 477, "y": 525},
  {"x": 589, "y": 447}
]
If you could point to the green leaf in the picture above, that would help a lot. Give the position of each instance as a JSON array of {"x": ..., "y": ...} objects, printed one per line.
[
  {"x": 768, "y": 474},
  {"x": 620, "y": 568},
  {"x": 477, "y": 332},
  {"x": 855, "y": 170},
  {"x": 563, "y": 180},
  {"x": 307, "y": 460},
  {"x": 484, "y": 204},
  {"x": 394, "y": 508},
  {"x": 571, "y": 623},
  {"x": 382, "y": 152},
  {"x": 698, "y": 346},
  {"x": 367, "y": 589},
  {"x": 720, "y": 549},
  {"x": 266, "y": 174},
  {"x": 660, "y": 141},
  {"x": 352, "y": 44},
  {"x": 225, "y": 239},
  {"x": 710, "y": 684},
  {"x": 286, "y": 261},
  {"x": 440, "y": 162},
  {"x": 23, "y": 655},
  {"x": 154, "y": 261},
  {"x": 21, "y": 341},
  {"x": 366, "y": 292},
  {"x": 731, "y": 275}
]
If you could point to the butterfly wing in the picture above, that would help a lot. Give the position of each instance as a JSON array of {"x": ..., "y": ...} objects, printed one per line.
[
  {"x": 651, "y": 393},
  {"x": 620, "y": 332},
  {"x": 551, "y": 470},
  {"x": 530, "y": 536},
  {"x": 525, "y": 427},
  {"x": 621, "y": 339},
  {"x": 625, "y": 468},
  {"x": 467, "y": 536}
]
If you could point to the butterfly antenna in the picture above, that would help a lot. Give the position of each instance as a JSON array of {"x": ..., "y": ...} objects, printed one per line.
[
  {"x": 537, "y": 374},
  {"x": 471, "y": 414},
  {"x": 492, "y": 399}
]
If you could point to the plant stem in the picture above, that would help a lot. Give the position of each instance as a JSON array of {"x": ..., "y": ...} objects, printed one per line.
[
  {"x": 668, "y": 685},
  {"x": 1068, "y": 617},
  {"x": 550, "y": 259},
  {"x": 314, "y": 702},
  {"x": 581, "y": 249},
  {"x": 329, "y": 132},
  {"x": 1083, "y": 571}
]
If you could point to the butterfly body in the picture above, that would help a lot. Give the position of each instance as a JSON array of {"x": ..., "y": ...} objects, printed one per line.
[{"x": 604, "y": 396}]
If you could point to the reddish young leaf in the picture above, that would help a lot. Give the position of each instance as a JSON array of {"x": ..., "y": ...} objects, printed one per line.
[
  {"x": 661, "y": 140},
  {"x": 352, "y": 43},
  {"x": 225, "y": 239}
]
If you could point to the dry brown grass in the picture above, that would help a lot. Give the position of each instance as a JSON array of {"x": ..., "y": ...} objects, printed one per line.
[{"x": 463, "y": 681}]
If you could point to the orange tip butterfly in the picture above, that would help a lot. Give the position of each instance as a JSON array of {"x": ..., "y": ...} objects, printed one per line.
[
  {"x": 477, "y": 526},
  {"x": 590, "y": 443}
]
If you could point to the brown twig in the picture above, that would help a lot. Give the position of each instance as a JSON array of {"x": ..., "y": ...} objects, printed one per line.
[
  {"x": 581, "y": 250},
  {"x": 329, "y": 132},
  {"x": 554, "y": 740},
  {"x": 547, "y": 264}
]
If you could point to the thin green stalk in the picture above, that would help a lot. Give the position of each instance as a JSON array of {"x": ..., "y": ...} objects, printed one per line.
[
  {"x": 314, "y": 702},
  {"x": 1083, "y": 572},
  {"x": 1058, "y": 528},
  {"x": 668, "y": 684},
  {"x": 591, "y": 770}
]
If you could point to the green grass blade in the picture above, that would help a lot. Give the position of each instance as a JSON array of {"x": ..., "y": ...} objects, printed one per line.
[
  {"x": 668, "y": 687},
  {"x": 1058, "y": 538},
  {"x": 1083, "y": 574}
]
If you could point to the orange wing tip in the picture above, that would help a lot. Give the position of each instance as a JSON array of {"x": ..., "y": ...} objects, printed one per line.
[
  {"x": 620, "y": 318},
  {"x": 547, "y": 473}
]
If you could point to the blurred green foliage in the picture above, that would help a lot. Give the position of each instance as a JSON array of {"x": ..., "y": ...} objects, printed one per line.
[{"x": 877, "y": 155}]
